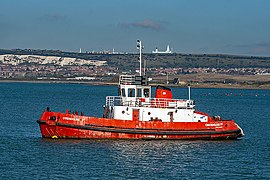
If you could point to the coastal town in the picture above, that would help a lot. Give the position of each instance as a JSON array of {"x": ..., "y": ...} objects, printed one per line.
[{"x": 56, "y": 68}]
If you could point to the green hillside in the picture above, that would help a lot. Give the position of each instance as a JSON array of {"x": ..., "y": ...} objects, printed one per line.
[{"x": 129, "y": 61}]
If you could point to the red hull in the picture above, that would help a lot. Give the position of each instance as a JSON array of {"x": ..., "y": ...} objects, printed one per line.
[{"x": 60, "y": 125}]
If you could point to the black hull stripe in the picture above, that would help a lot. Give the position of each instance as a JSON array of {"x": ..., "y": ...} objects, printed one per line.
[
  {"x": 41, "y": 122},
  {"x": 146, "y": 132}
]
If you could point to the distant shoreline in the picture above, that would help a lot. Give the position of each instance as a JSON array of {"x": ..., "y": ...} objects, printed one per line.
[
  {"x": 195, "y": 85},
  {"x": 58, "y": 82}
]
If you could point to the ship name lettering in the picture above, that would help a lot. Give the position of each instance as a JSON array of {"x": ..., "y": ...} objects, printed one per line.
[{"x": 218, "y": 124}]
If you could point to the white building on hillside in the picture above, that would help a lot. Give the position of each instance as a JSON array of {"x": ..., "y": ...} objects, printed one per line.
[{"x": 168, "y": 51}]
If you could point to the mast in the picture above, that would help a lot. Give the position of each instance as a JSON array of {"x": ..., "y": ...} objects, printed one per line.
[{"x": 140, "y": 47}]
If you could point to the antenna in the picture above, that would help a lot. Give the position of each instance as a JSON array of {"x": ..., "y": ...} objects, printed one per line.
[
  {"x": 189, "y": 92},
  {"x": 140, "y": 47},
  {"x": 144, "y": 67}
]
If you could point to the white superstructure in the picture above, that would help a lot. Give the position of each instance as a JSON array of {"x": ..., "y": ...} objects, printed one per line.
[{"x": 135, "y": 95}]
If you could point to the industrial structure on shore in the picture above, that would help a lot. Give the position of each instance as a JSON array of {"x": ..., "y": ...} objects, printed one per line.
[{"x": 168, "y": 51}]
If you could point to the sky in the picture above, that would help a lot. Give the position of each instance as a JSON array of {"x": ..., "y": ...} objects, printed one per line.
[{"x": 240, "y": 27}]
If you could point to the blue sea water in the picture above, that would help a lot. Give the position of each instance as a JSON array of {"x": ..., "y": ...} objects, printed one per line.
[{"x": 25, "y": 155}]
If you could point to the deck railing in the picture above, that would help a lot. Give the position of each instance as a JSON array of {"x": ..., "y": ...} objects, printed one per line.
[
  {"x": 133, "y": 80},
  {"x": 148, "y": 102},
  {"x": 127, "y": 79}
]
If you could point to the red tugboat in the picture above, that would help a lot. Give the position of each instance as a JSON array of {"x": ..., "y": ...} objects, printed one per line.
[{"x": 134, "y": 114}]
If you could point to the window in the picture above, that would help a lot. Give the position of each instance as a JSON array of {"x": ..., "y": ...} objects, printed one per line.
[
  {"x": 139, "y": 92},
  {"x": 123, "y": 92},
  {"x": 119, "y": 91},
  {"x": 146, "y": 93},
  {"x": 131, "y": 92}
]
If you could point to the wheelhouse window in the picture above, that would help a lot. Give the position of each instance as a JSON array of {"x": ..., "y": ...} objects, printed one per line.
[
  {"x": 123, "y": 93},
  {"x": 146, "y": 93},
  {"x": 131, "y": 92},
  {"x": 139, "y": 92}
]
